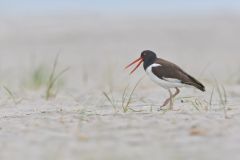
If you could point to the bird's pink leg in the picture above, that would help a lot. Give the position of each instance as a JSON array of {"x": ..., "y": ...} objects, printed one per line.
[
  {"x": 170, "y": 98},
  {"x": 176, "y": 93},
  {"x": 167, "y": 100}
]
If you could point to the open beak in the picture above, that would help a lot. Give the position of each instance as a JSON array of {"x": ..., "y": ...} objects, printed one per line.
[{"x": 139, "y": 60}]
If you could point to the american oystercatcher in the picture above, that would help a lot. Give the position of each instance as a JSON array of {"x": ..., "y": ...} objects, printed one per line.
[{"x": 166, "y": 74}]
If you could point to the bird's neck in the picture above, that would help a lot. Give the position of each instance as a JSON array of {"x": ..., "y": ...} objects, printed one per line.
[{"x": 148, "y": 62}]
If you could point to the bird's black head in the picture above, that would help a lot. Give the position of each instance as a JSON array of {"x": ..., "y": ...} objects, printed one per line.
[{"x": 148, "y": 58}]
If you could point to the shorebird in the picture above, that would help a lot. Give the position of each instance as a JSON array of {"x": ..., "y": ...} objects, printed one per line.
[{"x": 166, "y": 74}]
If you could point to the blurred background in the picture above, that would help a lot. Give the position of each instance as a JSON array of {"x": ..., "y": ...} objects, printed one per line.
[
  {"x": 201, "y": 36},
  {"x": 95, "y": 40}
]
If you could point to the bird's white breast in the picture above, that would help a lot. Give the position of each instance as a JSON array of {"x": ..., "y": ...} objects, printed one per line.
[{"x": 165, "y": 82}]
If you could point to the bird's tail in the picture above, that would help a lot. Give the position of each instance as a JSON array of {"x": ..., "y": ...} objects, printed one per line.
[{"x": 196, "y": 83}]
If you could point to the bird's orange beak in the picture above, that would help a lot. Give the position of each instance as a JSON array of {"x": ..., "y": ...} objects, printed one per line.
[{"x": 139, "y": 60}]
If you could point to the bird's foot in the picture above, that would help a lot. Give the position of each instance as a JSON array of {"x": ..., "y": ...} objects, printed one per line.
[
  {"x": 166, "y": 102},
  {"x": 162, "y": 107},
  {"x": 167, "y": 109}
]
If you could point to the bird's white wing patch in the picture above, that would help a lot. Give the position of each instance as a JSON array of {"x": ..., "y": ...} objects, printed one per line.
[
  {"x": 172, "y": 80},
  {"x": 154, "y": 65}
]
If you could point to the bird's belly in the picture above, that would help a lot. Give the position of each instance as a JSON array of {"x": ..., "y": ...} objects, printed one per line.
[{"x": 164, "y": 83}]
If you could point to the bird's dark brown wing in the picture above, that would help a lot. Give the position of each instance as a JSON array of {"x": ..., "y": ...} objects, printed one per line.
[{"x": 168, "y": 70}]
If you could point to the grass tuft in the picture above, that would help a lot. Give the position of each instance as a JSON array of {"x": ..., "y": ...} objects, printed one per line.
[
  {"x": 222, "y": 94},
  {"x": 53, "y": 78},
  {"x": 198, "y": 103},
  {"x": 127, "y": 98},
  {"x": 211, "y": 98},
  {"x": 12, "y": 95},
  {"x": 111, "y": 100},
  {"x": 38, "y": 77}
]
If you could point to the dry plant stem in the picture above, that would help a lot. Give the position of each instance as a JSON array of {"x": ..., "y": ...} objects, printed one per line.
[
  {"x": 12, "y": 96},
  {"x": 223, "y": 97},
  {"x": 10, "y": 93},
  {"x": 111, "y": 101},
  {"x": 124, "y": 96},
  {"x": 126, "y": 106},
  {"x": 211, "y": 98}
]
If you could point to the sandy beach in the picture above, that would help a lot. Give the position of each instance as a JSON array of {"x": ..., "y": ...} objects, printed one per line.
[{"x": 79, "y": 122}]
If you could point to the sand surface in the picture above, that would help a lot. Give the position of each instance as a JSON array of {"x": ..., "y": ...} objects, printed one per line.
[{"x": 80, "y": 123}]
